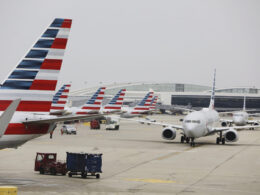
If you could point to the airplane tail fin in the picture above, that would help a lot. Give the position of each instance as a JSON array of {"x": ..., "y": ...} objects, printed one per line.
[
  {"x": 212, "y": 98},
  {"x": 244, "y": 104},
  {"x": 7, "y": 115},
  {"x": 153, "y": 103},
  {"x": 60, "y": 99},
  {"x": 144, "y": 105},
  {"x": 93, "y": 105},
  {"x": 34, "y": 79},
  {"x": 117, "y": 101}
]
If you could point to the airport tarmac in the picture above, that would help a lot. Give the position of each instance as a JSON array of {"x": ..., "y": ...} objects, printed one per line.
[{"x": 137, "y": 160}]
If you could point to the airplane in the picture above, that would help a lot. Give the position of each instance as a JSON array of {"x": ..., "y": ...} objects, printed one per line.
[
  {"x": 199, "y": 124},
  {"x": 142, "y": 107},
  {"x": 34, "y": 81},
  {"x": 153, "y": 104},
  {"x": 240, "y": 118},
  {"x": 59, "y": 100},
  {"x": 92, "y": 106},
  {"x": 115, "y": 104}
]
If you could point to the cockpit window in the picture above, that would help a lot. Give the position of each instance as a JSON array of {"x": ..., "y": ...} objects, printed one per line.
[
  {"x": 192, "y": 121},
  {"x": 196, "y": 121},
  {"x": 238, "y": 115}
]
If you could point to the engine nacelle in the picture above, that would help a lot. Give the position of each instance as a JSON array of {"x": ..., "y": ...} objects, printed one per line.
[
  {"x": 224, "y": 124},
  {"x": 231, "y": 135},
  {"x": 169, "y": 133},
  {"x": 255, "y": 124}
]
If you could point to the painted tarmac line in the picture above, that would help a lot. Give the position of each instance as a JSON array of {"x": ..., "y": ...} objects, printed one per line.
[{"x": 151, "y": 180}]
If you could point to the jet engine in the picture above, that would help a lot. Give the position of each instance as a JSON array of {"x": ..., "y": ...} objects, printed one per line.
[
  {"x": 255, "y": 124},
  {"x": 224, "y": 124},
  {"x": 231, "y": 135},
  {"x": 169, "y": 133}
]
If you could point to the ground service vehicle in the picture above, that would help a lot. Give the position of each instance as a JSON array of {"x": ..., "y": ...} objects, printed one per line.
[
  {"x": 47, "y": 163},
  {"x": 94, "y": 124},
  {"x": 112, "y": 123},
  {"x": 69, "y": 129},
  {"x": 84, "y": 164}
]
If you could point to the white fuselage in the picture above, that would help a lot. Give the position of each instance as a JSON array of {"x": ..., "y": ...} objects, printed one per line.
[
  {"x": 199, "y": 123},
  {"x": 240, "y": 118},
  {"x": 17, "y": 133}
]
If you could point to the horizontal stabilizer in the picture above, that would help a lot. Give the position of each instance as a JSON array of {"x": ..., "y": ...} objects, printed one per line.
[
  {"x": 7, "y": 115},
  {"x": 65, "y": 118}
]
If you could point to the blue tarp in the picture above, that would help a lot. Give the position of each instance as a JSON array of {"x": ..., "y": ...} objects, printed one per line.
[{"x": 84, "y": 162}]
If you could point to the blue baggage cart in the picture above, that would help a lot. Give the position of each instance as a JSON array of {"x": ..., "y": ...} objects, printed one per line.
[{"x": 84, "y": 164}]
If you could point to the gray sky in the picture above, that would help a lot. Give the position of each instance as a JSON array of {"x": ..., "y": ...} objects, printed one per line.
[{"x": 141, "y": 40}]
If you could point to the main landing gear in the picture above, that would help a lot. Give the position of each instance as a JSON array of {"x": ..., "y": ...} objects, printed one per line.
[
  {"x": 220, "y": 139},
  {"x": 192, "y": 143}
]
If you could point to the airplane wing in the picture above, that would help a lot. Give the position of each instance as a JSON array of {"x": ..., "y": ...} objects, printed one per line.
[
  {"x": 252, "y": 122},
  {"x": 185, "y": 109},
  {"x": 219, "y": 129},
  {"x": 226, "y": 120},
  {"x": 155, "y": 123},
  {"x": 255, "y": 114},
  {"x": 7, "y": 115},
  {"x": 65, "y": 118}
]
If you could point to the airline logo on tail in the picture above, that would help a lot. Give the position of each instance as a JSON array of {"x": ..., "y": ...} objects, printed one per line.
[
  {"x": 144, "y": 105},
  {"x": 34, "y": 79},
  {"x": 60, "y": 99},
  {"x": 116, "y": 103},
  {"x": 153, "y": 103},
  {"x": 93, "y": 105}
]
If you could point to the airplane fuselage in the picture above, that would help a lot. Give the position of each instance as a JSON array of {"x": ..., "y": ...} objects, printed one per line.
[
  {"x": 240, "y": 118},
  {"x": 199, "y": 123},
  {"x": 18, "y": 133}
]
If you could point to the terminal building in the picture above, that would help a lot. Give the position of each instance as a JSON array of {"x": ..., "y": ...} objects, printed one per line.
[{"x": 178, "y": 94}]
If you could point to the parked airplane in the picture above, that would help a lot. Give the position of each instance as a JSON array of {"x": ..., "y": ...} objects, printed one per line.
[
  {"x": 141, "y": 108},
  {"x": 153, "y": 104},
  {"x": 199, "y": 124},
  {"x": 92, "y": 106},
  {"x": 115, "y": 104},
  {"x": 34, "y": 81},
  {"x": 240, "y": 118},
  {"x": 60, "y": 100}
]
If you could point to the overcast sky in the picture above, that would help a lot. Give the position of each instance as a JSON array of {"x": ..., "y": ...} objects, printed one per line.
[{"x": 141, "y": 40}]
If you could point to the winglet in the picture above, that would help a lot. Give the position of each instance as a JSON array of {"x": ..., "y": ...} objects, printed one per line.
[
  {"x": 7, "y": 115},
  {"x": 212, "y": 98}
]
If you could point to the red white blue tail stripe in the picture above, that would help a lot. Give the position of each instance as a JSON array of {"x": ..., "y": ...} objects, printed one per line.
[
  {"x": 144, "y": 105},
  {"x": 60, "y": 99},
  {"x": 34, "y": 79},
  {"x": 116, "y": 103},
  {"x": 153, "y": 103},
  {"x": 93, "y": 105}
]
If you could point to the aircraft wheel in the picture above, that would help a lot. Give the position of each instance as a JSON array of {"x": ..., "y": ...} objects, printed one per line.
[
  {"x": 182, "y": 139},
  {"x": 217, "y": 140},
  {"x": 187, "y": 140},
  {"x": 223, "y": 140}
]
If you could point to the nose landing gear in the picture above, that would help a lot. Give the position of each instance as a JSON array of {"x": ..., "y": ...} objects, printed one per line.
[{"x": 184, "y": 138}]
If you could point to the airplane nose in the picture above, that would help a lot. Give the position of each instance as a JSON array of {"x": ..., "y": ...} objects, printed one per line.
[{"x": 189, "y": 130}]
